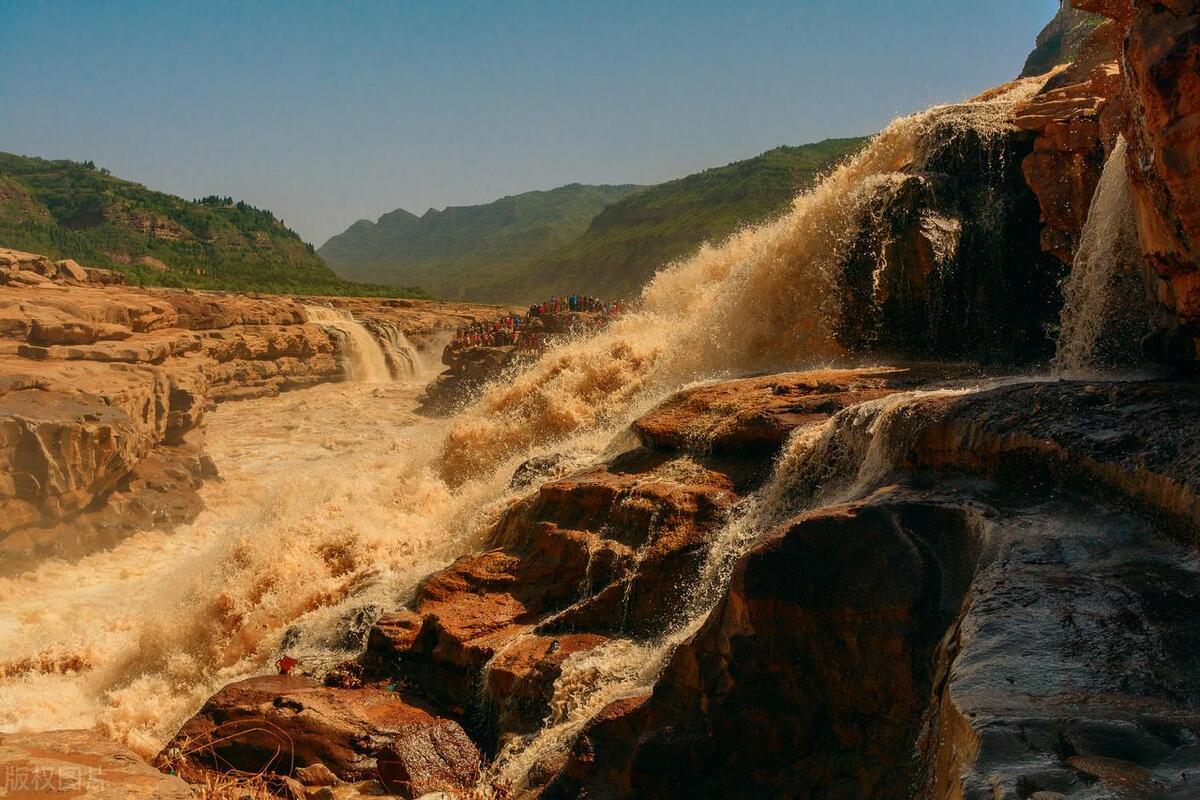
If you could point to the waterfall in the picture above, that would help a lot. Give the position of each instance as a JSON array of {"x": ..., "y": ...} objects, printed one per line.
[
  {"x": 1107, "y": 301},
  {"x": 321, "y": 519},
  {"x": 400, "y": 353},
  {"x": 362, "y": 357},
  {"x": 763, "y": 300}
]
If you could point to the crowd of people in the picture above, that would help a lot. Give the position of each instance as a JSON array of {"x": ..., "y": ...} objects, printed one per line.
[
  {"x": 509, "y": 331},
  {"x": 514, "y": 330},
  {"x": 575, "y": 302}
]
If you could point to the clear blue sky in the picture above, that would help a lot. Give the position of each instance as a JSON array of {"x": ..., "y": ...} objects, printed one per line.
[{"x": 328, "y": 112}]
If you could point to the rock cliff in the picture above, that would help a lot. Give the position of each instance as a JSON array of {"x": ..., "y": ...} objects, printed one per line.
[
  {"x": 982, "y": 625},
  {"x": 1135, "y": 75}
]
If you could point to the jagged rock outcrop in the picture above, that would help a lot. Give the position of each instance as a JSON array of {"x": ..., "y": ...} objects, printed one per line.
[
  {"x": 976, "y": 628},
  {"x": 1135, "y": 75},
  {"x": 1076, "y": 118},
  {"x": 593, "y": 554},
  {"x": 946, "y": 259},
  {"x": 601, "y": 553},
  {"x": 1162, "y": 77},
  {"x": 80, "y": 765},
  {"x": 296, "y": 728},
  {"x": 103, "y": 391},
  {"x": 1061, "y": 40},
  {"x": 469, "y": 368}
]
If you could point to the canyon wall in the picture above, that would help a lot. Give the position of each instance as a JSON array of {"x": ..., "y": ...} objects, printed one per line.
[{"x": 103, "y": 390}]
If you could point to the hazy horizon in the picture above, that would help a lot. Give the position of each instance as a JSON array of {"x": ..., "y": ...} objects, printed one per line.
[{"x": 331, "y": 116}]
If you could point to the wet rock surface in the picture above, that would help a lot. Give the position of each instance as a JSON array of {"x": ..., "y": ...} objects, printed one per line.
[
  {"x": 582, "y": 559},
  {"x": 945, "y": 257},
  {"x": 1008, "y": 616},
  {"x": 754, "y": 416},
  {"x": 807, "y": 680},
  {"x": 1131, "y": 439},
  {"x": 1007, "y": 608},
  {"x": 601, "y": 553}
]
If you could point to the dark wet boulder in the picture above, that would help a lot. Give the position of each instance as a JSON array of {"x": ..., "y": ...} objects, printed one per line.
[{"x": 296, "y": 728}]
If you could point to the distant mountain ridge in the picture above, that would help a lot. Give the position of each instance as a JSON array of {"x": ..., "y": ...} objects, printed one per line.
[
  {"x": 632, "y": 239},
  {"x": 604, "y": 241},
  {"x": 450, "y": 252},
  {"x": 70, "y": 209}
]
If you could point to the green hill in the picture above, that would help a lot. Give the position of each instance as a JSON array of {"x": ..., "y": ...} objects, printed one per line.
[
  {"x": 630, "y": 240},
  {"x": 454, "y": 252},
  {"x": 67, "y": 209}
]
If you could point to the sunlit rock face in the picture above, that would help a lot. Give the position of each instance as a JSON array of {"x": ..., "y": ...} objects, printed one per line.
[
  {"x": 1162, "y": 75},
  {"x": 1075, "y": 118}
]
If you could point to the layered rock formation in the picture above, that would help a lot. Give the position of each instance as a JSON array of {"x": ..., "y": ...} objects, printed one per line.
[
  {"x": 103, "y": 391},
  {"x": 1135, "y": 75},
  {"x": 1162, "y": 76},
  {"x": 970, "y": 632},
  {"x": 1008, "y": 608},
  {"x": 1076, "y": 119}
]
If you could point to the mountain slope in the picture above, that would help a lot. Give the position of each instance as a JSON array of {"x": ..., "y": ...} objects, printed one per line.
[
  {"x": 630, "y": 240},
  {"x": 452, "y": 252},
  {"x": 1060, "y": 40},
  {"x": 67, "y": 209}
]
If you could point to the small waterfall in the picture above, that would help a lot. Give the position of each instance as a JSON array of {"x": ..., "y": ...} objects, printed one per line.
[
  {"x": 1108, "y": 305},
  {"x": 363, "y": 358},
  {"x": 400, "y": 353}
]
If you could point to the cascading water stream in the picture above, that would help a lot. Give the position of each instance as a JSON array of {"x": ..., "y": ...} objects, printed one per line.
[
  {"x": 402, "y": 356},
  {"x": 845, "y": 458},
  {"x": 1108, "y": 304},
  {"x": 364, "y": 359}
]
